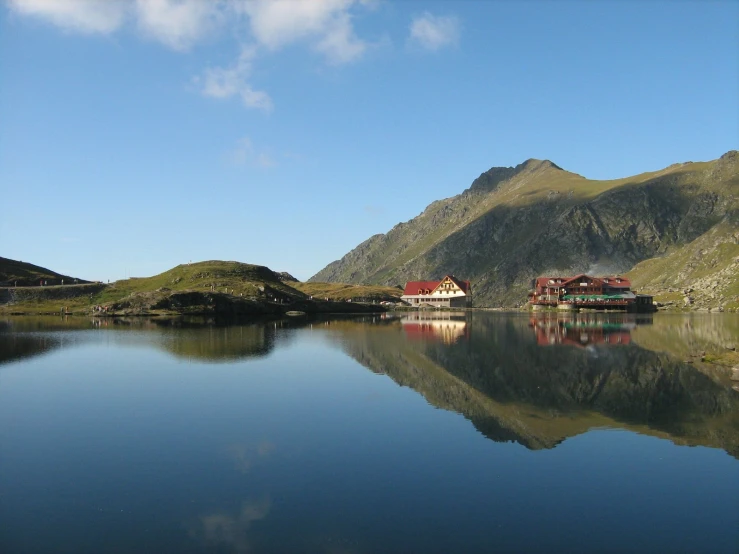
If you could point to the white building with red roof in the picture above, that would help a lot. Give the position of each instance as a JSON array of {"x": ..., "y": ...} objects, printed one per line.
[{"x": 448, "y": 292}]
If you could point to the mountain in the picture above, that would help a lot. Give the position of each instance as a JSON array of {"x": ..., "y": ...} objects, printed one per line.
[
  {"x": 515, "y": 223},
  {"x": 23, "y": 274}
]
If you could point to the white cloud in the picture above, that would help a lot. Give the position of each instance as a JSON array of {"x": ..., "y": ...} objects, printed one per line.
[
  {"x": 327, "y": 23},
  {"x": 245, "y": 154},
  {"x": 434, "y": 32},
  {"x": 224, "y": 82},
  {"x": 339, "y": 44},
  {"x": 178, "y": 23},
  {"x": 86, "y": 16}
]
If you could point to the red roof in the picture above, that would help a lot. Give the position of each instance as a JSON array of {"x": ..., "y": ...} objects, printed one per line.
[
  {"x": 413, "y": 287},
  {"x": 464, "y": 285},
  {"x": 580, "y": 277},
  {"x": 544, "y": 281},
  {"x": 624, "y": 284},
  {"x": 612, "y": 281}
]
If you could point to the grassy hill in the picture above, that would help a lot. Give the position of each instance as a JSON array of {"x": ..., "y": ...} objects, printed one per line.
[
  {"x": 218, "y": 276},
  {"x": 343, "y": 291},
  {"x": 23, "y": 274},
  {"x": 211, "y": 287},
  {"x": 514, "y": 224}
]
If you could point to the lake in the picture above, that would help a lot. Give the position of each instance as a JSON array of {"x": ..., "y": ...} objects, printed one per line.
[{"x": 428, "y": 432}]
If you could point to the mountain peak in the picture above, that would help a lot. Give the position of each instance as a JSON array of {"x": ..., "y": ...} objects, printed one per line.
[
  {"x": 533, "y": 164},
  {"x": 496, "y": 175}
]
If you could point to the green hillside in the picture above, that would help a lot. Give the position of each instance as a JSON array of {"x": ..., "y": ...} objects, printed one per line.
[
  {"x": 514, "y": 224},
  {"x": 702, "y": 274},
  {"x": 343, "y": 291},
  {"x": 23, "y": 274},
  {"x": 218, "y": 276},
  {"x": 204, "y": 288}
]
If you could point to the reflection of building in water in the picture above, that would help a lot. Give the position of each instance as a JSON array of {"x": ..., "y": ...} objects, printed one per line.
[
  {"x": 582, "y": 330},
  {"x": 446, "y": 327}
]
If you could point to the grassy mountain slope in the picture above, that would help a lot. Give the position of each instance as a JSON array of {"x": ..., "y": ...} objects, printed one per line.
[
  {"x": 704, "y": 273},
  {"x": 23, "y": 274},
  {"x": 343, "y": 291},
  {"x": 513, "y": 224}
]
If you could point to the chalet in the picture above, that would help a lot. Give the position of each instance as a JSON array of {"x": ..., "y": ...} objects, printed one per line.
[
  {"x": 585, "y": 291},
  {"x": 449, "y": 292}
]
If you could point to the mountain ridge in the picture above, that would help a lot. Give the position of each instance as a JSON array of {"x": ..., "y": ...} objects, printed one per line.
[{"x": 512, "y": 224}]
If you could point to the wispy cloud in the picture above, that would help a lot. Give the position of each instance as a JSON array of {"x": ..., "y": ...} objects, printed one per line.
[
  {"x": 178, "y": 23},
  {"x": 225, "y": 82},
  {"x": 325, "y": 26},
  {"x": 245, "y": 154},
  {"x": 325, "y": 23},
  {"x": 434, "y": 32},
  {"x": 84, "y": 16}
]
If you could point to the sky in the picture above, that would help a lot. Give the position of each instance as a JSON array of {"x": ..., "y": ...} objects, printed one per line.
[{"x": 136, "y": 135}]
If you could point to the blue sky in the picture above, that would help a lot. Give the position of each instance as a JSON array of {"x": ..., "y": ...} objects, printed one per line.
[{"x": 137, "y": 135}]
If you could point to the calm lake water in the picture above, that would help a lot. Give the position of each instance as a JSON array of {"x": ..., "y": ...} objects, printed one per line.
[{"x": 447, "y": 433}]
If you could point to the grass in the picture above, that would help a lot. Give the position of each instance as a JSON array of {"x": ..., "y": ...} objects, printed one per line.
[
  {"x": 708, "y": 257},
  {"x": 25, "y": 274},
  {"x": 342, "y": 291},
  {"x": 233, "y": 277},
  {"x": 528, "y": 187}
]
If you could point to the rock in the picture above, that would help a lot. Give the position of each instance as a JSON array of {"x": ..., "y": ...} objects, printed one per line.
[{"x": 735, "y": 374}]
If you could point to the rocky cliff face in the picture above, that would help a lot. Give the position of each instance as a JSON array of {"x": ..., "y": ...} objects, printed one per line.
[{"x": 514, "y": 224}]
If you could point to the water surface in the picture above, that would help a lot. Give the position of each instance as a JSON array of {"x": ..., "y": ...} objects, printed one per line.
[{"x": 422, "y": 433}]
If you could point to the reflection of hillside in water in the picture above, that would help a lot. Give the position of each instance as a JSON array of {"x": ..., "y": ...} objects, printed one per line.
[
  {"x": 213, "y": 343},
  {"x": 446, "y": 327},
  {"x": 27, "y": 337},
  {"x": 197, "y": 339},
  {"x": 514, "y": 390}
]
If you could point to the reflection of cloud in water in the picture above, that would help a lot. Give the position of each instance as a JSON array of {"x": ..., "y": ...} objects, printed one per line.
[
  {"x": 223, "y": 529},
  {"x": 246, "y": 456}
]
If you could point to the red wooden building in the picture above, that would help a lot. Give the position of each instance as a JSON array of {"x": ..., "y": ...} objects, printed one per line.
[{"x": 586, "y": 291}]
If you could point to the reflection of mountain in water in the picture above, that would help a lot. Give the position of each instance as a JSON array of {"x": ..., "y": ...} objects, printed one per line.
[{"x": 512, "y": 389}]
